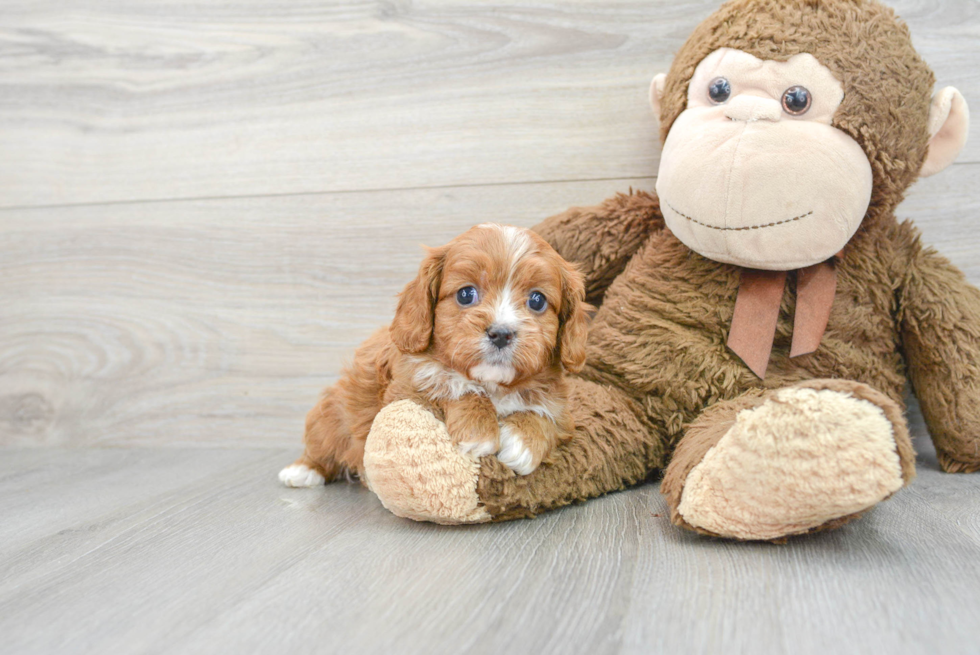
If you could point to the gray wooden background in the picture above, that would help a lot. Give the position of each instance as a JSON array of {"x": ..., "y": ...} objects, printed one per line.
[{"x": 205, "y": 206}]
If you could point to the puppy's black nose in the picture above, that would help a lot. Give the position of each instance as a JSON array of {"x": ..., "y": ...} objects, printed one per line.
[{"x": 499, "y": 336}]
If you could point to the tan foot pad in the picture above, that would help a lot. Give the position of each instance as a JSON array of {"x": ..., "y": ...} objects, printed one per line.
[
  {"x": 801, "y": 459},
  {"x": 412, "y": 466}
]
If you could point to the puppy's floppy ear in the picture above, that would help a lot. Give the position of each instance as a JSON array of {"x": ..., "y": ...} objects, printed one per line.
[
  {"x": 412, "y": 328},
  {"x": 573, "y": 327}
]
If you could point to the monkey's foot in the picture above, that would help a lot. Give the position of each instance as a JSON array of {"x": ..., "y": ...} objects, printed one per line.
[
  {"x": 804, "y": 458},
  {"x": 410, "y": 463}
]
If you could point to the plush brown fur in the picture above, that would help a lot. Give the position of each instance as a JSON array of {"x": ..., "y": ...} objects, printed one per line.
[
  {"x": 428, "y": 353},
  {"x": 708, "y": 429},
  {"x": 657, "y": 356}
]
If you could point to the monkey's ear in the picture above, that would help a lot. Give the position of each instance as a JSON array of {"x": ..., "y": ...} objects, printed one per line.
[
  {"x": 657, "y": 92},
  {"x": 412, "y": 328},
  {"x": 949, "y": 124}
]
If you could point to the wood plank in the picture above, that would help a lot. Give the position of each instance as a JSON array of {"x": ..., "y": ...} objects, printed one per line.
[
  {"x": 238, "y": 564},
  {"x": 213, "y": 322},
  {"x": 125, "y": 101},
  {"x": 954, "y": 496},
  {"x": 58, "y": 505},
  {"x": 218, "y": 322},
  {"x": 112, "y": 590},
  {"x": 863, "y": 589}
]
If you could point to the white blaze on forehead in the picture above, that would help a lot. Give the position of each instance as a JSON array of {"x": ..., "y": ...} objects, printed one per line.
[
  {"x": 518, "y": 245},
  {"x": 516, "y": 240},
  {"x": 505, "y": 312}
]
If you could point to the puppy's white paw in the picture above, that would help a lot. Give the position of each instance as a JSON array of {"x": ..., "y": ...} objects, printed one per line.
[
  {"x": 477, "y": 449},
  {"x": 513, "y": 453},
  {"x": 300, "y": 475}
]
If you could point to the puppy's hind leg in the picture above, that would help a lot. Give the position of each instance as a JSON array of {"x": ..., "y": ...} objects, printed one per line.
[
  {"x": 304, "y": 472},
  {"x": 327, "y": 439}
]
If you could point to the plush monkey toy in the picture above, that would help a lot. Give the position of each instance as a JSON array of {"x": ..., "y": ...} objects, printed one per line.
[{"x": 759, "y": 317}]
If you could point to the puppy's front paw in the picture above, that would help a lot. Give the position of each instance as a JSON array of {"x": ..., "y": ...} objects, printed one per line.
[
  {"x": 514, "y": 453},
  {"x": 478, "y": 448},
  {"x": 472, "y": 424},
  {"x": 300, "y": 475}
]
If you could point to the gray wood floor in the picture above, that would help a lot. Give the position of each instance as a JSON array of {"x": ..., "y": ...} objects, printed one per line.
[
  {"x": 190, "y": 550},
  {"x": 205, "y": 206}
]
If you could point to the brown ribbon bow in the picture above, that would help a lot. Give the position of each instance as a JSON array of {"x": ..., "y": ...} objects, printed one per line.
[{"x": 757, "y": 311}]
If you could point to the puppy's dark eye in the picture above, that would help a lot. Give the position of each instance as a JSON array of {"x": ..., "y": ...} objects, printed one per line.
[
  {"x": 467, "y": 296},
  {"x": 719, "y": 90},
  {"x": 536, "y": 301}
]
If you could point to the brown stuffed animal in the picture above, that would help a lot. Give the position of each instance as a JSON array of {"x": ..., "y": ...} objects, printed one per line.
[{"x": 759, "y": 318}]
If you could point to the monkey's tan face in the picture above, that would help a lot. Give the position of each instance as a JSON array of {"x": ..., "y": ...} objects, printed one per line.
[{"x": 753, "y": 173}]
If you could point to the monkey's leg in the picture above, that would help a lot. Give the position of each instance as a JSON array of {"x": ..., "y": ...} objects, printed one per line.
[
  {"x": 808, "y": 457},
  {"x": 411, "y": 464}
]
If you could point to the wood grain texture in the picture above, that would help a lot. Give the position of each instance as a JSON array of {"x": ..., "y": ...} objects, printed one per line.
[
  {"x": 205, "y": 207},
  {"x": 58, "y": 506},
  {"x": 220, "y": 558},
  {"x": 217, "y": 322},
  {"x": 120, "y": 100}
]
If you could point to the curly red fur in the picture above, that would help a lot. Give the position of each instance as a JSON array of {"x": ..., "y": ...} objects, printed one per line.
[{"x": 437, "y": 353}]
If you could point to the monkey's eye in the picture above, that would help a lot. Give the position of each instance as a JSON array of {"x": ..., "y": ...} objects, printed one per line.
[
  {"x": 536, "y": 302},
  {"x": 796, "y": 100},
  {"x": 467, "y": 296},
  {"x": 719, "y": 90}
]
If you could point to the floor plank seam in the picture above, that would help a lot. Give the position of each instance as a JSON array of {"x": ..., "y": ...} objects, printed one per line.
[{"x": 317, "y": 194}]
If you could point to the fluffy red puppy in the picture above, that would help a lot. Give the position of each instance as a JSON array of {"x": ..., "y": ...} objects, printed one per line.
[{"x": 481, "y": 337}]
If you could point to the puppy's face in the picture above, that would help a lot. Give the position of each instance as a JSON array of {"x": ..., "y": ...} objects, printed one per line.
[{"x": 496, "y": 304}]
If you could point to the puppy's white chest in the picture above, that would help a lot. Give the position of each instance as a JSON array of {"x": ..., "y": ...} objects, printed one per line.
[
  {"x": 507, "y": 404},
  {"x": 443, "y": 383},
  {"x": 512, "y": 403}
]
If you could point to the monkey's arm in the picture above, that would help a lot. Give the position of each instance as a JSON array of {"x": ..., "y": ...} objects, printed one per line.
[
  {"x": 939, "y": 313},
  {"x": 601, "y": 239}
]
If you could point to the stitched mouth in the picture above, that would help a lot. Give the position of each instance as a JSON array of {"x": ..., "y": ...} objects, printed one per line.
[{"x": 738, "y": 229}]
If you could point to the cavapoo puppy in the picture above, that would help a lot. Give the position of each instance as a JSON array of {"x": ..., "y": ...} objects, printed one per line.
[{"x": 482, "y": 338}]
